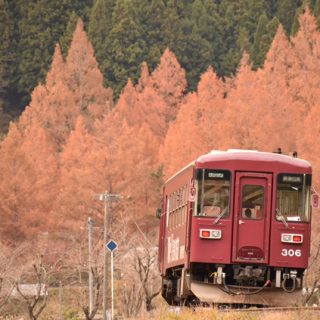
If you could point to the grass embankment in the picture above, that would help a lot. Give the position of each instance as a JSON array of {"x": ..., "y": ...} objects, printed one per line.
[{"x": 211, "y": 314}]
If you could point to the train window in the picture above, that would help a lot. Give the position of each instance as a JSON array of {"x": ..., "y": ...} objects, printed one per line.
[
  {"x": 177, "y": 208},
  {"x": 293, "y": 197},
  {"x": 213, "y": 193},
  {"x": 252, "y": 202}
]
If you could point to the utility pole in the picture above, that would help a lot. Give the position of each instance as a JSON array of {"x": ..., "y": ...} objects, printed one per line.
[
  {"x": 90, "y": 224},
  {"x": 107, "y": 198},
  {"x": 60, "y": 301}
]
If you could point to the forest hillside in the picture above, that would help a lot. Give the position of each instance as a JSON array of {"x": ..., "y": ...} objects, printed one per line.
[
  {"x": 124, "y": 34},
  {"x": 72, "y": 141},
  {"x": 91, "y": 127}
]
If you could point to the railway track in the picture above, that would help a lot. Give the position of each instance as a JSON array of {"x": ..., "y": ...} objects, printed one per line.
[{"x": 270, "y": 309}]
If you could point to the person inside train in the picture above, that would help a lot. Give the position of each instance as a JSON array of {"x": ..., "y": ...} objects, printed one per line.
[{"x": 248, "y": 213}]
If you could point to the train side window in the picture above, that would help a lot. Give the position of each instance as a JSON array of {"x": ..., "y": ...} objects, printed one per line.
[
  {"x": 252, "y": 202},
  {"x": 177, "y": 208}
]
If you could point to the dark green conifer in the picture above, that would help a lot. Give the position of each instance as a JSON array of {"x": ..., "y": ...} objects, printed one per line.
[
  {"x": 99, "y": 27},
  {"x": 316, "y": 11},
  {"x": 262, "y": 40},
  {"x": 286, "y": 12},
  {"x": 125, "y": 46},
  {"x": 7, "y": 52},
  {"x": 65, "y": 39}
]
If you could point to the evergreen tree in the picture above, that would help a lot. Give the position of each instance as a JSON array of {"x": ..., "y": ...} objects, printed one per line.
[
  {"x": 201, "y": 39},
  {"x": 286, "y": 11},
  {"x": 262, "y": 39},
  {"x": 317, "y": 12},
  {"x": 126, "y": 47},
  {"x": 65, "y": 39},
  {"x": 41, "y": 25},
  {"x": 7, "y": 53},
  {"x": 100, "y": 25},
  {"x": 151, "y": 16},
  {"x": 73, "y": 88},
  {"x": 239, "y": 18}
]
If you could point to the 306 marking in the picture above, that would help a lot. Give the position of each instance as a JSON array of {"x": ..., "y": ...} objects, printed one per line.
[{"x": 291, "y": 253}]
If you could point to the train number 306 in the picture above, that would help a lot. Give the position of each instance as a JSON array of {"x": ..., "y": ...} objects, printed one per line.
[{"x": 291, "y": 253}]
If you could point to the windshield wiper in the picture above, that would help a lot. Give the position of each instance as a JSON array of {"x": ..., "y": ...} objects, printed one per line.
[
  {"x": 282, "y": 218},
  {"x": 222, "y": 213}
]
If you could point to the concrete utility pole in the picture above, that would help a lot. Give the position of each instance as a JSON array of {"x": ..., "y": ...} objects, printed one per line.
[
  {"x": 90, "y": 224},
  {"x": 107, "y": 198}
]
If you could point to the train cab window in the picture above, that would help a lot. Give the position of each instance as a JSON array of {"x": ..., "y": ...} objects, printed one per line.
[
  {"x": 293, "y": 197},
  {"x": 252, "y": 202},
  {"x": 213, "y": 193}
]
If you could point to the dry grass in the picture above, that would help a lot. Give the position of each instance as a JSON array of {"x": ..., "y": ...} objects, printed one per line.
[{"x": 165, "y": 313}]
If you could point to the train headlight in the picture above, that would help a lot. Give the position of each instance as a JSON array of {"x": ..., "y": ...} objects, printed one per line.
[
  {"x": 216, "y": 234},
  {"x": 210, "y": 234},
  {"x": 291, "y": 238}
]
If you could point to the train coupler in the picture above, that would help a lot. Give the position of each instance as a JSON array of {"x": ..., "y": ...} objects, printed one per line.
[{"x": 218, "y": 276}]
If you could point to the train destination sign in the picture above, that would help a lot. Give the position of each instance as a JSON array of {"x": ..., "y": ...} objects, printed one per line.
[{"x": 210, "y": 174}]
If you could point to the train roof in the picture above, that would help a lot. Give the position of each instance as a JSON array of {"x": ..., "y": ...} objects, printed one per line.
[
  {"x": 240, "y": 155},
  {"x": 252, "y": 155}
]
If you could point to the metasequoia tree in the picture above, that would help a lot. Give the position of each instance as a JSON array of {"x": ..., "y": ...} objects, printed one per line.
[
  {"x": 169, "y": 79},
  {"x": 144, "y": 107},
  {"x": 41, "y": 179},
  {"x": 84, "y": 77},
  {"x": 12, "y": 164},
  {"x": 306, "y": 146},
  {"x": 245, "y": 110},
  {"x": 274, "y": 84},
  {"x": 196, "y": 129},
  {"x": 210, "y": 108},
  {"x": 29, "y": 175},
  {"x": 156, "y": 98},
  {"x": 72, "y": 88},
  {"x": 183, "y": 141},
  {"x": 79, "y": 178},
  {"x": 305, "y": 85}
]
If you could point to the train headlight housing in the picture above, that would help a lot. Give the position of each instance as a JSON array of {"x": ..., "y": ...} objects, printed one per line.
[
  {"x": 291, "y": 238},
  {"x": 210, "y": 234}
]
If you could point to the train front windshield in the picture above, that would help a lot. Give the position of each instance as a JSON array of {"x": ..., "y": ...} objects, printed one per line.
[
  {"x": 293, "y": 197},
  {"x": 213, "y": 195}
]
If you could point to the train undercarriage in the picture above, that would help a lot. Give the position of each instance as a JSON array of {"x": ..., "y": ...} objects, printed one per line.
[{"x": 236, "y": 284}]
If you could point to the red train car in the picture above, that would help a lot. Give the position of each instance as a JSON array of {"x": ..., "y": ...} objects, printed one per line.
[{"x": 235, "y": 228}]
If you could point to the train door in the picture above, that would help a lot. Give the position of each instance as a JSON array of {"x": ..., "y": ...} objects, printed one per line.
[{"x": 252, "y": 211}]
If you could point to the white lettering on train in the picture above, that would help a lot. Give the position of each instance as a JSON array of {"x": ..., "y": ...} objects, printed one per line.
[{"x": 291, "y": 253}]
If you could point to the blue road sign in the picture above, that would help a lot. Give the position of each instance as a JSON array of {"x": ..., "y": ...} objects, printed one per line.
[{"x": 111, "y": 245}]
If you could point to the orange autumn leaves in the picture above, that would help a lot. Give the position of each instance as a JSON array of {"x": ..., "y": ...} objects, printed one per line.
[{"x": 73, "y": 142}]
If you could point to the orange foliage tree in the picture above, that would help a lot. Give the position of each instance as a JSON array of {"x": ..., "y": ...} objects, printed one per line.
[
  {"x": 169, "y": 79},
  {"x": 72, "y": 143},
  {"x": 198, "y": 124},
  {"x": 29, "y": 173},
  {"x": 72, "y": 88}
]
